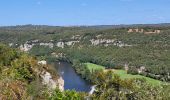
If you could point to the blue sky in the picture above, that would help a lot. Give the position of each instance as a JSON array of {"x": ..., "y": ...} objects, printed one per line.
[{"x": 83, "y": 12}]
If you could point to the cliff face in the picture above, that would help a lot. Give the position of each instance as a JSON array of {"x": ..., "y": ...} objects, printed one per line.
[
  {"x": 61, "y": 83},
  {"x": 52, "y": 83},
  {"x": 23, "y": 77},
  {"x": 48, "y": 77}
]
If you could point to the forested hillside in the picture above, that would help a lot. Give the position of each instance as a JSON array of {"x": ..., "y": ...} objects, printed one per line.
[
  {"x": 110, "y": 46},
  {"x": 113, "y": 47},
  {"x": 20, "y": 79}
]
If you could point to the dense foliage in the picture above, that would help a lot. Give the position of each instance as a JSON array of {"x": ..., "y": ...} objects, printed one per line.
[
  {"x": 111, "y": 87},
  {"x": 20, "y": 81},
  {"x": 17, "y": 72},
  {"x": 151, "y": 51}
]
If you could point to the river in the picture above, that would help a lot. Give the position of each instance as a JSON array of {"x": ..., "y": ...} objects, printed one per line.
[{"x": 72, "y": 81}]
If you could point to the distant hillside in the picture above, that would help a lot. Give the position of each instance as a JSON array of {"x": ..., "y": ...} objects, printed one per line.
[{"x": 30, "y": 26}]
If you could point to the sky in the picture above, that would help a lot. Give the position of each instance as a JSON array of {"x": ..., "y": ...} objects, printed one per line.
[{"x": 83, "y": 12}]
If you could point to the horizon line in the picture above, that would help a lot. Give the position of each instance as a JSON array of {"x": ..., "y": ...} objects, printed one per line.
[{"x": 85, "y": 25}]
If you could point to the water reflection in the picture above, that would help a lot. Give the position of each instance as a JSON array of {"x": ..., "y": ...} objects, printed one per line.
[{"x": 71, "y": 79}]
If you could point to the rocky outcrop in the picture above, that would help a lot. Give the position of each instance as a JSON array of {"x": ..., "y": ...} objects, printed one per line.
[
  {"x": 76, "y": 37},
  {"x": 26, "y": 47},
  {"x": 58, "y": 55},
  {"x": 101, "y": 41},
  {"x": 70, "y": 43},
  {"x": 48, "y": 78},
  {"x": 43, "y": 62},
  {"x": 50, "y": 45},
  {"x": 60, "y": 44},
  {"x": 61, "y": 84},
  {"x": 51, "y": 82},
  {"x": 107, "y": 42},
  {"x": 93, "y": 89}
]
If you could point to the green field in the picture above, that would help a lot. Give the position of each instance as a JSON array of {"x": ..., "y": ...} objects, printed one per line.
[
  {"x": 123, "y": 74},
  {"x": 91, "y": 67}
]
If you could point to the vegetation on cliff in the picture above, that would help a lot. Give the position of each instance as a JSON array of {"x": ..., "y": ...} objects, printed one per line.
[
  {"x": 20, "y": 80},
  {"x": 20, "y": 76},
  {"x": 108, "y": 46}
]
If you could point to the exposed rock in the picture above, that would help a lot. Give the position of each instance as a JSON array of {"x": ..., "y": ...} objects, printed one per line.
[
  {"x": 70, "y": 43},
  {"x": 52, "y": 83},
  {"x": 141, "y": 69},
  {"x": 121, "y": 44},
  {"x": 107, "y": 42},
  {"x": 57, "y": 55},
  {"x": 75, "y": 37},
  {"x": 93, "y": 89},
  {"x": 51, "y": 45},
  {"x": 60, "y": 44},
  {"x": 101, "y": 41},
  {"x": 43, "y": 62},
  {"x": 26, "y": 47},
  {"x": 98, "y": 36},
  {"x": 34, "y": 41},
  {"x": 11, "y": 44},
  {"x": 61, "y": 84}
]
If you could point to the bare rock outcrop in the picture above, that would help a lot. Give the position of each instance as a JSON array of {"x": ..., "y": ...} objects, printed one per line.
[{"x": 51, "y": 82}]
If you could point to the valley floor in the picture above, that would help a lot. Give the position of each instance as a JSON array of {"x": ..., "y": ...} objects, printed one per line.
[{"x": 123, "y": 74}]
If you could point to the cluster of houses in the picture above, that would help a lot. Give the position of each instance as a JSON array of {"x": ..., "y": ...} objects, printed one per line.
[{"x": 143, "y": 31}]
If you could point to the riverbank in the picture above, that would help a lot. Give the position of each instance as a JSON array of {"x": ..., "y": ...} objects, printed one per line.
[
  {"x": 85, "y": 70},
  {"x": 72, "y": 80},
  {"x": 123, "y": 74}
]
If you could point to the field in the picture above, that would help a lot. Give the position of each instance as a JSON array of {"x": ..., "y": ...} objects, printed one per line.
[
  {"x": 91, "y": 67},
  {"x": 123, "y": 74}
]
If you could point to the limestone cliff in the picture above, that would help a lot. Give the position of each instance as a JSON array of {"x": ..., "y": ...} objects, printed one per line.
[{"x": 51, "y": 82}]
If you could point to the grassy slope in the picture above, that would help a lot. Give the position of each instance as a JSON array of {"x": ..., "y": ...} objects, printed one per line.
[{"x": 123, "y": 74}]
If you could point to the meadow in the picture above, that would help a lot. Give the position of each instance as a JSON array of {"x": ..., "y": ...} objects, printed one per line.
[{"x": 123, "y": 74}]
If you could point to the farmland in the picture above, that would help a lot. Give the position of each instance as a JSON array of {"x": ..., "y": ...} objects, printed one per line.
[{"x": 122, "y": 73}]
